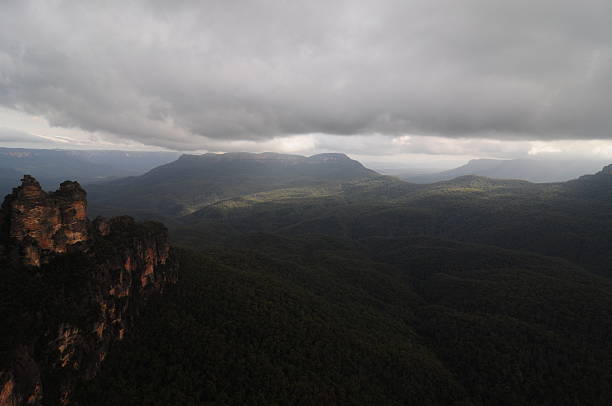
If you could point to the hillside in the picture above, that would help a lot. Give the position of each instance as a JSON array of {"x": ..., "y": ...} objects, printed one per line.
[
  {"x": 193, "y": 181},
  {"x": 317, "y": 281},
  {"x": 271, "y": 319},
  {"x": 572, "y": 220},
  {"x": 474, "y": 291},
  {"x": 331, "y": 194}
]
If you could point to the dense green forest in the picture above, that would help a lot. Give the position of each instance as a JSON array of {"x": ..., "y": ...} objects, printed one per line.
[
  {"x": 319, "y": 321},
  {"x": 348, "y": 287}
]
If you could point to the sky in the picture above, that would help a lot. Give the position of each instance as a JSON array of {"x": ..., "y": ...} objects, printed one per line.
[{"x": 407, "y": 82}]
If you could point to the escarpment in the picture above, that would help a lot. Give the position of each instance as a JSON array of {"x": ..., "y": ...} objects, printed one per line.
[{"x": 71, "y": 287}]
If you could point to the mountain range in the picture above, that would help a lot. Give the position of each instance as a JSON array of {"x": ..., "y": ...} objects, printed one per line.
[
  {"x": 472, "y": 291},
  {"x": 314, "y": 280},
  {"x": 335, "y": 195},
  {"x": 533, "y": 170},
  {"x": 193, "y": 181},
  {"x": 51, "y": 166}
]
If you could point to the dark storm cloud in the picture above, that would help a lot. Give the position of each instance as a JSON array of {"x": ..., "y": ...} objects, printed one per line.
[{"x": 167, "y": 73}]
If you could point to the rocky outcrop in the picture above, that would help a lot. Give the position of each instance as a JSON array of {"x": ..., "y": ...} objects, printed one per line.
[
  {"x": 40, "y": 223},
  {"x": 95, "y": 276}
]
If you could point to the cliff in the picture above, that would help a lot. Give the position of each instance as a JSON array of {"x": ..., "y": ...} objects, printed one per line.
[
  {"x": 40, "y": 223},
  {"x": 71, "y": 288}
]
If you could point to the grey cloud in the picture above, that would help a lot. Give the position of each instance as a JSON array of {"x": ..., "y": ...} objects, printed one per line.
[
  {"x": 175, "y": 74},
  {"x": 9, "y": 135},
  {"x": 378, "y": 144}
]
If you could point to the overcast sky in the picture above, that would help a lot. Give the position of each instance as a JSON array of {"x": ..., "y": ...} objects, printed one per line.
[{"x": 421, "y": 81}]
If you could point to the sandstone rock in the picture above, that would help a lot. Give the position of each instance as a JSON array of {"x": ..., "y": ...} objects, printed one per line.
[
  {"x": 41, "y": 223},
  {"x": 125, "y": 262}
]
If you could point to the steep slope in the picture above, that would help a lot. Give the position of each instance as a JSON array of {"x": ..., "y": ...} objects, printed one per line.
[
  {"x": 70, "y": 289},
  {"x": 572, "y": 220},
  {"x": 193, "y": 181}
]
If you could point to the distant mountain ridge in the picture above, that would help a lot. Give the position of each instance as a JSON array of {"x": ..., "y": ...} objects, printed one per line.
[
  {"x": 477, "y": 291},
  {"x": 533, "y": 170},
  {"x": 50, "y": 166},
  {"x": 318, "y": 275},
  {"x": 193, "y": 181}
]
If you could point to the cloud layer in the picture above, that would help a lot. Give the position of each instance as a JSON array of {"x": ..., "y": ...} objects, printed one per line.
[{"x": 185, "y": 74}]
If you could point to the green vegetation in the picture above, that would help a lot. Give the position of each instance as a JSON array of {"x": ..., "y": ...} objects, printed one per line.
[
  {"x": 317, "y": 320},
  {"x": 193, "y": 182},
  {"x": 569, "y": 220},
  {"x": 363, "y": 289}
]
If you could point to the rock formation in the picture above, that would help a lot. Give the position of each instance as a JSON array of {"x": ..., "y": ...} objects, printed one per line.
[
  {"x": 78, "y": 285},
  {"x": 41, "y": 223}
]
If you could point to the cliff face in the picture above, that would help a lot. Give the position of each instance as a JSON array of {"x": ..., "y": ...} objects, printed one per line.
[
  {"x": 41, "y": 223},
  {"x": 78, "y": 284}
]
